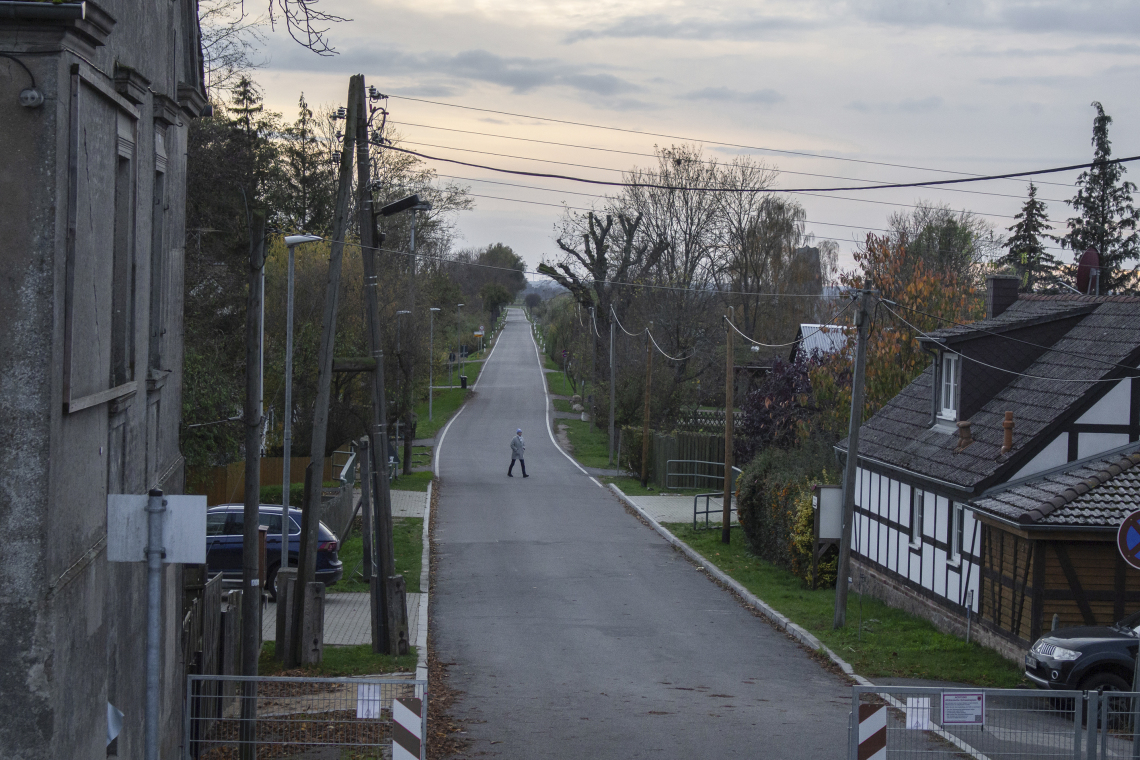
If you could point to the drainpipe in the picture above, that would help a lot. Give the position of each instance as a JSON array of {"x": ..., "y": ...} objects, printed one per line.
[{"x": 155, "y": 509}]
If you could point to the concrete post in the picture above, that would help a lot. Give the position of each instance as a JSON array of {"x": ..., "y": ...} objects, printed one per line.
[{"x": 155, "y": 511}]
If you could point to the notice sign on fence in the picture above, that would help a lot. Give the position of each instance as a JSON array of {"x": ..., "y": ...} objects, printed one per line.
[
  {"x": 918, "y": 713},
  {"x": 368, "y": 701},
  {"x": 963, "y": 708}
]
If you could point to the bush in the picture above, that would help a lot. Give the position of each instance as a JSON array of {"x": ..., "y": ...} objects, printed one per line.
[
  {"x": 272, "y": 494},
  {"x": 774, "y": 502}
]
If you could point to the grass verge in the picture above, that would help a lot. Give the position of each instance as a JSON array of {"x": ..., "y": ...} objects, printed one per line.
[
  {"x": 561, "y": 404},
  {"x": 558, "y": 384},
  {"x": 417, "y": 481},
  {"x": 445, "y": 404},
  {"x": 892, "y": 644},
  {"x": 591, "y": 446},
  {"x": 632, "y": 487},
  {"x": 407, "y": 536},
  {"x": 340, "y": 662}
]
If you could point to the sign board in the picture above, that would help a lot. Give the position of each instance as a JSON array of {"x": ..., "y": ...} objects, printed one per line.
[
  {"x": 478, "y": 333},
  {"x": 183, "y": 529},
  {"x": 963, "y": 708},
  {"x": 1128, "y": 539},
  {"x": 918, "y": 713},
  {"x": 828, "y": 502}
]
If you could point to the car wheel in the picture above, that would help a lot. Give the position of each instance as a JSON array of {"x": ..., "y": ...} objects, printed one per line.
[
  {"x": 271, "y": 583},
  {"x": 1119, "y": 711}
]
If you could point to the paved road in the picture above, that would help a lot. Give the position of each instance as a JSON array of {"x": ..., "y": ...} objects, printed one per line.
[{"x": 578, "y": 632}]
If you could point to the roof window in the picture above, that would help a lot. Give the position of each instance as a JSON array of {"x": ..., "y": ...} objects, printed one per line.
[{"x": 948, "y": 407}]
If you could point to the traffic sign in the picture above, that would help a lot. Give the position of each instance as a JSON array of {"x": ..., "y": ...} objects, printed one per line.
[{"x": 1128, "y": 539}]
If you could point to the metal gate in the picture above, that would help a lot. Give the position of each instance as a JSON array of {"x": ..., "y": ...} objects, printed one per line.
[
  {"x": 247, "y": 717},
  {"x": 1010, "y": 724}
]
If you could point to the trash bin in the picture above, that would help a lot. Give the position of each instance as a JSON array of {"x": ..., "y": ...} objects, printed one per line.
[{"x": 463, "y": 381}]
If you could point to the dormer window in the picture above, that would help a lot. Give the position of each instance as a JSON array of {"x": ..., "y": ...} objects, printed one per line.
[{"x": 949, "y": 404}]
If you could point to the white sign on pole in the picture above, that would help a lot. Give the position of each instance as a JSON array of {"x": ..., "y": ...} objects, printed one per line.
[
  {"x": 368, "y": 701},
  {"x": 963, "y": 708},
  {"x": 918, "y": 713},
  {"x": 183, "y": 529}
]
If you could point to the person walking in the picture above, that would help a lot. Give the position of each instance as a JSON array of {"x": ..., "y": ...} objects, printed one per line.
[{"x": 518, "y": 448}]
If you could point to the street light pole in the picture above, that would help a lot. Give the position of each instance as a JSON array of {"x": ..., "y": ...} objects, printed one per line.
[
  {"x": 291, "y": 241},
  {"x": 431, "y": 357},
  {"x": 458, "y": 339},
  {"x": 399, "y": 369}
]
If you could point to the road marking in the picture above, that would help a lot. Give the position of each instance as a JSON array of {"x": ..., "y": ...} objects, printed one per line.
[
  {"x": 546, "y": 395},
  {"x": 599, "y": 485}
]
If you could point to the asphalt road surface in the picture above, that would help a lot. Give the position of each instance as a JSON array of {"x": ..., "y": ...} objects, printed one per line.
[{"x": 576, "y": 631}]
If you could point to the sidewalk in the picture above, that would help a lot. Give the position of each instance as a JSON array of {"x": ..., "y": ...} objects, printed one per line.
[{"x": 678, "y": 508}]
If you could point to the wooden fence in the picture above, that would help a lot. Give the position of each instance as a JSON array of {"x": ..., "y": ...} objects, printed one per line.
[
  {"x": 684, "y": 446},
  {"x": 226, "y": 484}
]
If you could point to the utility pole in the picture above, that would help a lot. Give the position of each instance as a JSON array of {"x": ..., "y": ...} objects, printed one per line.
[
  {"x": 381, "y": 539},
  {"x": 645, "y": 421},
  {"x": 729, "y": 387},
  {"x": 250, "y": 580},
  {"x": 593, "y": 353},
  {"x": 613, "y": 391},
  {"x": 310, "y": 519},
  {"x": 862, "y": 326},
  {"x": 431, "y": 358}
]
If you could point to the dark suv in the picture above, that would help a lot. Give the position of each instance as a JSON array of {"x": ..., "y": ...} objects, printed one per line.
[
  {"x": 224, "y": 529},
  {"x": 1086, "y": 658}
]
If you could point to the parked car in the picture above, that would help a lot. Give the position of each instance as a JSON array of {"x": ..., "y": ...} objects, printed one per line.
[
  {"x": 1086, "y": 657},
  {"x": 224, "y": 533}
]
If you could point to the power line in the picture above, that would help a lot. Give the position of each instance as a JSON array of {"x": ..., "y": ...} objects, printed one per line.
[
  {"x": 829, "y": 322},
  {"x": 877, "y": 186},
  {"x": 655, "y": 186},
  {"x": 1003, "y": 369},
  {"x": 688, "y": 139}
]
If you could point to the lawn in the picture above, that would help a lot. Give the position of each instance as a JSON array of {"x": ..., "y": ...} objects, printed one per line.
[
  {"x": 550, "y": 363},
  {"x": 558, "y": 384},
  {"x": 891, "y": 644},
  {"x": 340, "y": 662},
  {"x": 407, "y": 536},
  {"x": 417, "y": 481},
  {"x": 591, "y": 446},
  {"x": 561, "y": 404},
  {"x": 444, "y": 406}
]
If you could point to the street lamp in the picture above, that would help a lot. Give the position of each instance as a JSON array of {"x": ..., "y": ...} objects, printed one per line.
[
  {"x": 399, "y": 366},
  {"x": 291, "y": 241},
  {"x": 458, "y": 338},
  {"x": 431, "y": 356}
]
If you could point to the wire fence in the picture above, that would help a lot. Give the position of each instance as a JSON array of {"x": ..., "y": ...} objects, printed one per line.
[
  {"x": 1008, "y": 724},
  {"x": 250, "y": 717}
]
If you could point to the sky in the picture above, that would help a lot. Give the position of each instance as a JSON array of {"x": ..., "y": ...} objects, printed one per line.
[{"x": 935, "y": 88}]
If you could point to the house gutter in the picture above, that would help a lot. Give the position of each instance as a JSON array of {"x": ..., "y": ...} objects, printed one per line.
[{"x": 25, "y": 9}]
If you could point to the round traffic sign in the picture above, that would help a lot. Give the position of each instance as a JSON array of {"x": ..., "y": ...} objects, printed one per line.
[{"x": 1128, "y": 539}]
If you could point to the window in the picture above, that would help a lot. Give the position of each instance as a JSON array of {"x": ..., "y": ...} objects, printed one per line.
[
  {"x": 235, "y": 524},
  {"x": 957, "y": 531},
  {"x": 158, "y": 270},
  {"x": 949, "y": 405},
  {"x": 916, "y": 498},
  {"x": 123, "y": 277},
  {"x": 215, "y": 523},
  {"x": 272, "y": 523}
]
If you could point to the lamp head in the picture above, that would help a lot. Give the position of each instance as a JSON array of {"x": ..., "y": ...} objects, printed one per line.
[
  {"x": 433, "y": 309},
  {"x": 292, "y": 240}
]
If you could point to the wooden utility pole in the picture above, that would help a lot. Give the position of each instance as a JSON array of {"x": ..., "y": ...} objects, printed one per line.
[
  {"x": 250, "y": 572},
  {"x": 613, "y": 392},
  {"x": 862, "y": 326},
  {"x": 729, "y": 387},
  {"x": 382, "y": 541},
  {"x": 645, "y": 421},
  {"x": 310, "y": 519}
]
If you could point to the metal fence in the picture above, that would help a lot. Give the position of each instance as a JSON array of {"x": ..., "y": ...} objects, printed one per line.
[
  {"x": 707, "y": 510},
  {"x": 296, "y": 717},
  {"x": 1006, "y": 724}
]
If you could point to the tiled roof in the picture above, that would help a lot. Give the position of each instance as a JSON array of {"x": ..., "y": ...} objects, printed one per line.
[
  {"x": 900, "y": 435},
  {"x": 1099, "y": 493}
]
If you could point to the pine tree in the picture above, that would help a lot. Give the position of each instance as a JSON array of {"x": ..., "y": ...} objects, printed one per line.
[
  {"x": 1107, "y": 219},
  {"x": 1027, "y": 254}
]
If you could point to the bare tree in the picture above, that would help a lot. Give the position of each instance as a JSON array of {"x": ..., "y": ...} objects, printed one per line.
[{"x": 230, "y": 38}]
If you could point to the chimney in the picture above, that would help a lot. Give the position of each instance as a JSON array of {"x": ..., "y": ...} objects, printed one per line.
[
  {"x": 964, "y": 437},
  {"x": 1007, "y": 443},
  {"x": 1001, "y": 293}
]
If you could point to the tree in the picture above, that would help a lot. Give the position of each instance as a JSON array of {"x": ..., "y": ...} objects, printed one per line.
[
  {"x": 1106, "y": 218},
  {"x": 1027, "y": 254},
  {"x": 946, "y": 241},
  {"x": 495, "y": 297},
  {"x": 305, "y": 193}
]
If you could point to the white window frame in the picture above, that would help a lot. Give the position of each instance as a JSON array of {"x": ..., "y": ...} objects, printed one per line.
[
  {"x": 957, "y": 531},
  {"x": 948, "y": 398},
  {"x": 917, "y": 507}
]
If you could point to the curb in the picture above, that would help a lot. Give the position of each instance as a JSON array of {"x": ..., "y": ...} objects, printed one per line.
[
  {"x": 797, "y": 632},
  {"x": 422, "y": 613}
]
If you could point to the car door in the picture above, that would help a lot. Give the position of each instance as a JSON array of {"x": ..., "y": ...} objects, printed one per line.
[
  {"x": 215, "y": 529},
  {"x": 227, "y": 550},
  {"x": 272, "y": 522}
]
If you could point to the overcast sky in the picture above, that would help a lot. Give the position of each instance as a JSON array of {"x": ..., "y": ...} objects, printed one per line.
[{"x": 942, "y": 85}]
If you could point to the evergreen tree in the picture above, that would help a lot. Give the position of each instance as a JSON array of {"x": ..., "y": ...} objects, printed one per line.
[
  {"x": 1027, "y": 254},
  {"x": 1106, "y": 217},
  {"x": 306, "y": 193}
]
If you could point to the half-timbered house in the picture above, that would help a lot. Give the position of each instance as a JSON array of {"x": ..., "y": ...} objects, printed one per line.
[{"x": 982, "y": 486}]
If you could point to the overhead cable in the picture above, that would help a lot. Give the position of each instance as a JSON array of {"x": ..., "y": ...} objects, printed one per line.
[
  {"x": 820, "y": 329},
  {"x": 656, "y": 186},
  {"x": 676, "y": 137}
]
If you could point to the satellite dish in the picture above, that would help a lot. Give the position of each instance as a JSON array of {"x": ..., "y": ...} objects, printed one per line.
[{"x": 1088, "y": 273}]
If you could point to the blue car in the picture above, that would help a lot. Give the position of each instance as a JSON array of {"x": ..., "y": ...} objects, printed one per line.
[{"x": 224, "y": 530}]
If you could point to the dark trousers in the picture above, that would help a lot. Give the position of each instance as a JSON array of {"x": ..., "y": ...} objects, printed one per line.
[{"x": 512, "y": 467}]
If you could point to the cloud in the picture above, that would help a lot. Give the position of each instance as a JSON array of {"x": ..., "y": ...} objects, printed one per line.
[
  {"x": 1113, "y": 17},
  {"x": 748, "y": 26},
  {"x": 1028, "y": 81},
  {"x": 905, "y": 106},
  {"x": 727, "y": 95}
]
